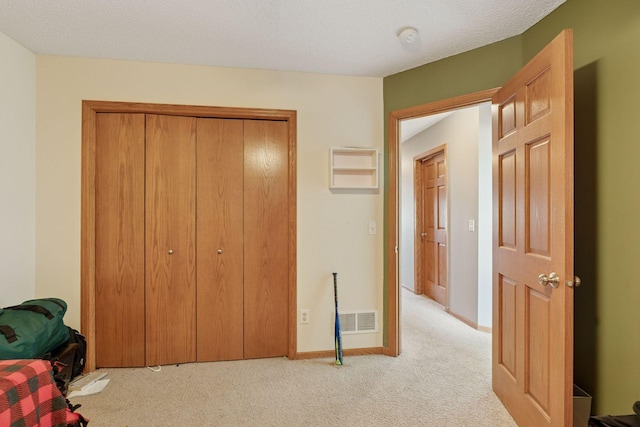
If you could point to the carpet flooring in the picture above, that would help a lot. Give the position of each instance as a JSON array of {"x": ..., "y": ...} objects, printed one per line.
[{"x": 442, "y": 378}]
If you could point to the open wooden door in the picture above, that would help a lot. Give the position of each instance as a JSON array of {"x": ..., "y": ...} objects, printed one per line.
[{"x": 533, "y": 239}]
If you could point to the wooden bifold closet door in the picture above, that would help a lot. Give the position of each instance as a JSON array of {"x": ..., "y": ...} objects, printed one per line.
[
  {"x": 170, "y": 239},
  {"x": 220, "y": 240},
  {"x": 191, "y": 239},
  {"x": 120, "y": 252},
  {"x": 266, "y": 246}
]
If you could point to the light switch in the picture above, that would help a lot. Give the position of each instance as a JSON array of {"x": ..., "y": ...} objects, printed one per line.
[
  {"x": 472, "y": 225},
  {"x": 373, "y": 228}
]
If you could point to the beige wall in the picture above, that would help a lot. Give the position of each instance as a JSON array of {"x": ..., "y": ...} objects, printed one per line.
[
  {"x": 17, "y": 172},
  {"x": 332, "y": 228}
]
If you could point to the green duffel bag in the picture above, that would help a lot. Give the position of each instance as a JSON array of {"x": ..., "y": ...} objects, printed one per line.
[{"x": 32, "y": 329}]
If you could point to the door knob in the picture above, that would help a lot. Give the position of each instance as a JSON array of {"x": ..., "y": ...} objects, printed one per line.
[
  {"x": 576, "y": 282},
  {"x": 170, "y": 251},
  {"x": 219, "y": 251},
  {"x": 424, "y": 234},
  {"x": 553, "y": 280}
]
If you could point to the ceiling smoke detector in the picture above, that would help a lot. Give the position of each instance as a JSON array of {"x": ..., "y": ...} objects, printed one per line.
[{"x": 408, "y": 37}]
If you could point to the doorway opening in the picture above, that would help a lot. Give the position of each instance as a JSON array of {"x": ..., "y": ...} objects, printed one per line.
[
  {"x": 401, "y": 231},
  {"x": 533, "y": 221}
]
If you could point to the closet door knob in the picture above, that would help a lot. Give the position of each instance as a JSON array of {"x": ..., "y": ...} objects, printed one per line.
[
  {"x": 219, "y": 251},
  {"x": 170, "y": 251}
]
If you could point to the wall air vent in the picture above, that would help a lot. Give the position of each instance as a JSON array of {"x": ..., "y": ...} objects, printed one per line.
[{"x": 359, "y": 322}]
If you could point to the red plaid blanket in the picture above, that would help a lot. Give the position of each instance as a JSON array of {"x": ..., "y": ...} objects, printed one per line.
[{"x": 29, "y": 396}]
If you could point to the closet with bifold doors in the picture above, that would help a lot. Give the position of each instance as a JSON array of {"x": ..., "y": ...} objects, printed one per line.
[{"x": 191, "y": 239}]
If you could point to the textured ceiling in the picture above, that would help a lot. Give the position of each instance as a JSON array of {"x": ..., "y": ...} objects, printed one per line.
[{"x": 352, "y": 37}]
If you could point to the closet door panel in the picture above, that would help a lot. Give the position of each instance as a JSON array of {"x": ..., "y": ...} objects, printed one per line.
[
  {"x": 266, "y": 239},
  {"x": 119, "y": 217},
  {"x": 170, "y": 239},
  {"x": 220, "y": 239}
]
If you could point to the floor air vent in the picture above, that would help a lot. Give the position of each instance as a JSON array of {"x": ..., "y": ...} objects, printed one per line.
[{"x": 359, "y": 322}]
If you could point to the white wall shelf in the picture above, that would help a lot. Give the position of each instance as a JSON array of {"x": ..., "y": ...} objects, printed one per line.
[{"x": 353, "y": 168}]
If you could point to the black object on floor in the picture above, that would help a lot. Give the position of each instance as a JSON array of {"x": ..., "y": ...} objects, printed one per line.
[{"x": 618, "y": 420}]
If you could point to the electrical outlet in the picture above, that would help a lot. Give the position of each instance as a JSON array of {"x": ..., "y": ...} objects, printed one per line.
[{"x": 304, "y": 316}]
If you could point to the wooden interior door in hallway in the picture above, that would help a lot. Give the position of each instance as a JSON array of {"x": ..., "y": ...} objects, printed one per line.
[{"x": 431, "y": 205}]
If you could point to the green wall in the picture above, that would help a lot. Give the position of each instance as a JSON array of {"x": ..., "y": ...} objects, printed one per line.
[{"x": 607, "y": 158}]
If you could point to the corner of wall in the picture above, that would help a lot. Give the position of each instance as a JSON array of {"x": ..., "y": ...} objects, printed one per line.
[{"x": 17, "y": 172}]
